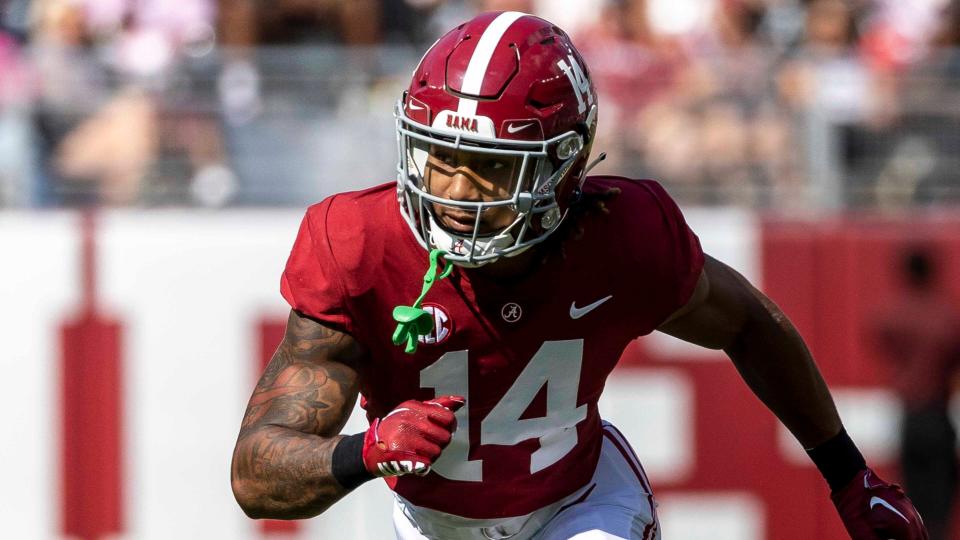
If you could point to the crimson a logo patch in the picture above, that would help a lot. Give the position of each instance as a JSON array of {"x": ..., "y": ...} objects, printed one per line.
[
  {"x": 442, "y": 325},
  {"x": 511, "y": 312}
]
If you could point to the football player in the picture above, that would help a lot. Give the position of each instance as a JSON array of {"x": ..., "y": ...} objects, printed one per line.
[{"x": 481, "y": 379}]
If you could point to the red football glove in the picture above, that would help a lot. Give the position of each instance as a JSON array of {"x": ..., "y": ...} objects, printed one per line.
[
  {"x": 872, "y": 509},
  {"x": 410, "y": 437}
]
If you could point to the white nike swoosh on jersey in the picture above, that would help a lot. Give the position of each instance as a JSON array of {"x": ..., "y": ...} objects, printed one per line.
[
  {"x": 414, "y": 107},
  {"x": 576, "y": 313},
  {"x": 874, "y": 501},
  {"x": 513, "y": 128}
]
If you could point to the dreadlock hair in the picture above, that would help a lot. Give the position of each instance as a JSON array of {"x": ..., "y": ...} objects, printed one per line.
[{"x": 584, "y": 205}]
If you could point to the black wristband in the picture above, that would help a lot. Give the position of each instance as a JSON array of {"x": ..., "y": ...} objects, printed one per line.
[
  {"x": 347, "y": 462},
  {"x": 838, "y": 459}
]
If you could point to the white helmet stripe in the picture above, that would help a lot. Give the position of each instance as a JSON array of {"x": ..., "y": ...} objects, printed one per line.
[{"x": 477, "y": 68}]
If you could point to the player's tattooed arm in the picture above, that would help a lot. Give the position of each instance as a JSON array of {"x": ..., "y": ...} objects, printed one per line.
[
  {"x": 727, "y": 312},
  {"x": 282, "y": 461}
]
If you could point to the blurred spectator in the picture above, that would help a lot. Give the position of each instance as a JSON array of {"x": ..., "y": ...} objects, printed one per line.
[
  {"x": 292, "y": 139},
  {"x": 246, "y": 23},
  {"x": 761, "y": 103},
  {"x": 15, "y": 19},
  {"x": 930, "y": 115},
  {"x": 638, "y": 76},
  {"x": 918, "y": 334},
  {"x": 161, "y": 54},
  {"x": 897, "y": 32},
  {"x": 573, "y": 17},
  {"x": 112, "y": 149},
  {"x": 838, "y": 101},
  {"x": 916, "y": 161},
  {"x": 15, "y": 155},
  {"x": 109, "y": 127},
  {"x": 694, "y": 110},
  {"x": 749, "y": 152},
  {"x": 824, "y": 70},
  {"x": 525, "y": 6},
  {"x": 681, "y": 17},
  {"x": 71, "y": 85}
]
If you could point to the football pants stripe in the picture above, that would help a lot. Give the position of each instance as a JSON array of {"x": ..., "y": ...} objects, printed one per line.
[
  {"x": 580, "y": 499},
  {"x": 630, "y": 454},
  {"x": 634, "y": 463}
]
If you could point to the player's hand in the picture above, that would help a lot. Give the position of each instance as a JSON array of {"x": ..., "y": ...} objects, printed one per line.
[
  {"x": 872, "y": 509},
  {"x": 411, "y": 436}
]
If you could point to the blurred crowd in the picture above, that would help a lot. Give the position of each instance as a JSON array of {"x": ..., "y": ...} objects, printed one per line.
[{"x": 772, "y": 104}]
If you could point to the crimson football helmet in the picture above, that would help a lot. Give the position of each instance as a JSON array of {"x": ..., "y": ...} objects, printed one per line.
[{"x": 508, "y": 90}]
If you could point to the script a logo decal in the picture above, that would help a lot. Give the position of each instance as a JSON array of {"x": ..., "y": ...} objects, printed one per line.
[
  {"x": 465, "y": 124},
  {"x": 511, "y": 312},
  {"x": 442, "y": 325}
]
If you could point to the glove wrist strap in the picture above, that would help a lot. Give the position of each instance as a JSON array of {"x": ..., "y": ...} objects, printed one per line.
[
  {"x": 347, "y": 462},
  {"x": 838, "y": 459}
]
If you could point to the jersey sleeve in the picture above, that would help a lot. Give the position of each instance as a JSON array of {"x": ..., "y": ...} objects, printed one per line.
[
  {"x": 312, "y": 282},
  {"x": 676, "y": 258}
]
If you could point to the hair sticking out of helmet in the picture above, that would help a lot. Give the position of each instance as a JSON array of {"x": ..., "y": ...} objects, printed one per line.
[{"x": 494, "y": 134}]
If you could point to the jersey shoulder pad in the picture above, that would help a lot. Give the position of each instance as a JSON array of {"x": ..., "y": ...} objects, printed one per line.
[
  {"x": 646, "y": 231},
  {"x": 358, "y": 224}
]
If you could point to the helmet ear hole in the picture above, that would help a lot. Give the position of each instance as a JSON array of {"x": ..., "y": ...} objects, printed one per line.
[{"x": 569, "y": 147}]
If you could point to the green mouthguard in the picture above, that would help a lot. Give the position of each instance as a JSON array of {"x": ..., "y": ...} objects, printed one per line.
[{"x": 414, "y": 321}]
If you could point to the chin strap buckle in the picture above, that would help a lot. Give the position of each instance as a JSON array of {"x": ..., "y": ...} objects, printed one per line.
[{"x": 414, "y": 321}]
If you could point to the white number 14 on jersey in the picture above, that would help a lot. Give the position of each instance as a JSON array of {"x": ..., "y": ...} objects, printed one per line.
[{"x": 557, "y": 365}]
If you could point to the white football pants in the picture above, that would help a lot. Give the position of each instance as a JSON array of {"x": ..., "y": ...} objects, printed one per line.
[{"x": 617, "y": 503}]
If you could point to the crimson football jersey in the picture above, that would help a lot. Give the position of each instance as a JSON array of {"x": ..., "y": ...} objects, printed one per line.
[{"x": 530, "y": 355}]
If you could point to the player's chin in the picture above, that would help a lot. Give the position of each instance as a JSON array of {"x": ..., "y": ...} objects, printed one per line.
[
  {"x": 461, "y": 225},
  {"x": 466, "y": 230}
]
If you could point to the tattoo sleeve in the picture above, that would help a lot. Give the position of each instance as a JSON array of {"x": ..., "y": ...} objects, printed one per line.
[{"x": 282, "y": 461}]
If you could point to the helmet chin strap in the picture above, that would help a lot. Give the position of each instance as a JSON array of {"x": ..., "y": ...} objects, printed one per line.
[{"x": 454, "y": 244}]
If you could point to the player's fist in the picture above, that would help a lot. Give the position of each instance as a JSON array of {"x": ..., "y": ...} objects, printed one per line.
[
  {"x": 872, "y": 509},
  {"x": 410, "y": 437}
]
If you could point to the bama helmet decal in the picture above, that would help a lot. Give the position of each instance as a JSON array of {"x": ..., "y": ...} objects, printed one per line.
[
  {"x": 455, "y": 123},
  {"x": 442, "y": 325}
]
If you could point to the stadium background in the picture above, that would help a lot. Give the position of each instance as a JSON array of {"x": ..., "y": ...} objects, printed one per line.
[{"x": 156, "y": 157}]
